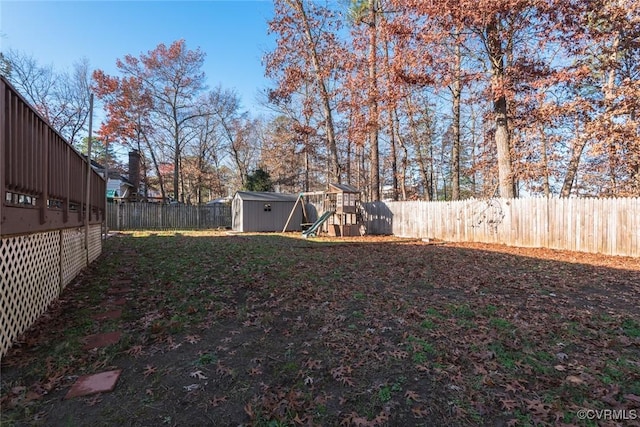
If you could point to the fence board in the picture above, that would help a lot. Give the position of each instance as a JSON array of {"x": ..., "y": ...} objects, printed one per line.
[{"x": 607, "y": 226}]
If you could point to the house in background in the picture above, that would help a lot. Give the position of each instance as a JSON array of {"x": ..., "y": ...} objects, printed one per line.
[
  {"x": 121, "y": 188},
  {"x": 264, "y": 211}
]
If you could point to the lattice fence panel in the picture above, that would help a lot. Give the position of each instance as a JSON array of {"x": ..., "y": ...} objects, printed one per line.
[
  {"x": 74, "y": 257},
  {"x": 30, "y": 281},
  {"x": 95, "y": 241}
]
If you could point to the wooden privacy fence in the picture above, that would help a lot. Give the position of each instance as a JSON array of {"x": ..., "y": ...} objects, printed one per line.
[
  {"x": 44, "y": 238},
  {"x": 153, "y": 216},
  {"x": 607, "y": 226}
]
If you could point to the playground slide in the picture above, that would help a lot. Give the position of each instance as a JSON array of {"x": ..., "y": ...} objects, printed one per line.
[{"x": 312, "y": 231}]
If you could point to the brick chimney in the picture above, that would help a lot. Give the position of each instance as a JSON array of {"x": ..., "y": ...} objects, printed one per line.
[{"x": 134, "y": 171}]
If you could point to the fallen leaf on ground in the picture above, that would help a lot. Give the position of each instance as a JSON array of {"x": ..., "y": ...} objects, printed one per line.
[
  {"x": 216, "y": 401},
  {"x": 148, "y": 370},
  {"x": 412, "y": 395},
  {"x": 419, "y": 412},
  {"x": 192, "y": 339},
  {"x": 198, "y": 374},
  {"x": 572, "y": 379}
]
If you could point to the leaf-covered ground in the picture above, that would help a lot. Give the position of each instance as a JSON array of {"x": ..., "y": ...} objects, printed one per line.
[{"x": 275, "y": 330}]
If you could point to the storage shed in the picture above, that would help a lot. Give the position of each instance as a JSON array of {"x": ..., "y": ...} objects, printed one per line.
[{"x": 264, "y": 211}]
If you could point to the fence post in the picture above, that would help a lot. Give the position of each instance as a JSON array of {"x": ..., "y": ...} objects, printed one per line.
[
  {"x": 3, "y": 160},
  {"x": 60, "y": 276}
]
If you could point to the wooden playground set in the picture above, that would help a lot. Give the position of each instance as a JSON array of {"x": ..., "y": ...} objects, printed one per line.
[{"x": 337, "y": 214}]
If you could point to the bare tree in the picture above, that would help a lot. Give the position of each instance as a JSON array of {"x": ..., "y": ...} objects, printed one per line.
[{"x": 61, "y": 98}]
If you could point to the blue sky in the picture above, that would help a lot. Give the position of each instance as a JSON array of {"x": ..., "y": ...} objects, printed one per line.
[{"x": 233, "y": 34}]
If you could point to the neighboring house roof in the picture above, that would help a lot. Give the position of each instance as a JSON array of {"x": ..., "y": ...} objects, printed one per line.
[
  {"x": 122, "y": 178},
  {"x": 344, "y": 188},
  {"x": 94, "y": 164},
  {"x": 263, "y": 196},
  {"x": 220, "y": 200}
]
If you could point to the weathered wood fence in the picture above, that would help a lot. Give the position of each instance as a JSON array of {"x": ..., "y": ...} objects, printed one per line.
[
  {"x": 153, "y": 216},
  {"x": 607, "y": 226}
]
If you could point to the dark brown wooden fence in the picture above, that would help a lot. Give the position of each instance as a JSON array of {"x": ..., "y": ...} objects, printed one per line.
[{"x": 43, "y": 179}]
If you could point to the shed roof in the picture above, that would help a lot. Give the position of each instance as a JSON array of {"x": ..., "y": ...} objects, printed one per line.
[
  {"x": 263, "y": 196},
  {"x": 344, "y": 188}
]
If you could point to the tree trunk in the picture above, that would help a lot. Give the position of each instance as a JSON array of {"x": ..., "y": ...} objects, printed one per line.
[
  {"x": 502, "y": 138},
  {"x": 609, "y": 97},
  {"x": 634, "y": 161},
  {"x": 373, "y": 103},
  {"x": 392, "y": 131},
  {"x": 405, "y": 155},
  {"x": 456, "y": 90},
  {"x": 545, "y": 164},
  {"x": 156, "y": 167},
  {"x": 306, "y": 163},
  {"x": 199, "y": 177},
  {"x": 334, "y": 163},
  {"x": 423, "y": 160},
  {"x": 576, "y": 151},
  {"x": 474, "y": 189},
  {"x": 348, "y": 161},
  {"x": 572, "y": 170}
]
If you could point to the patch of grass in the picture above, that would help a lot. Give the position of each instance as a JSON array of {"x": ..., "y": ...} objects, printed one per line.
[
  {"x": 631, "y": 328},
  {"x": 573, "y": 329},
  {"x": 425, "y": 346},
  {"x": 505, "y": 357},
  {"x": 501, "y": 324},
  {"x": 490, "y": 310},
  {"x": 428, "y": 324},
  {"x": 290, "y": 368},
  {"x": 420, "y": 349},
  {"x": 468, "y": 324},
  {"x": 384, "y": 394},
  {"x": 462, "y": 311},
  {"x": 321, "y": 410},
  {"x": 524, "y": 419},
  {"x": 540, "y": 362},
  {"x": 471, "y": 413},
  {"x": 359, "y": 295},
  {"x": 621, "y": 371},
  {"x": 397, "y": 385},
  {"x": 419, "y": 357},
  {"x": 432, "y": 312},
  {"x": 634, "y": 388},
  {"x": 206, "y": 359},
  {"x": 605, "y": 317},
  {"x": 289, "y": 354}
]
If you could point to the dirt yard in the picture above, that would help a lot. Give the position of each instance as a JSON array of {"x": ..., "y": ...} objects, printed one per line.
[{"x": 276, "y": 330}]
